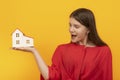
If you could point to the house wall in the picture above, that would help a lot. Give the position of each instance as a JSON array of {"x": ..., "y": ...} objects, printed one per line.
[
  {"x": 16, "y": 37},
  {"x": 20, "y": 40},
  {"x": 47, "y": 21},
  {"x": 31, "y": 41}
]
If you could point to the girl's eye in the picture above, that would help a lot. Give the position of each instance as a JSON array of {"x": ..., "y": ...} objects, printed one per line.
[{"x": 76, "y": 26}]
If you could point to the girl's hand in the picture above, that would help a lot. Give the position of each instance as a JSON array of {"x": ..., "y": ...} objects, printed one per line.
[{"x": 27, "y": 49}]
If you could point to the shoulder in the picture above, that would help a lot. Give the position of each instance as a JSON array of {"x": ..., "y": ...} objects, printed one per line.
[
  {"x": 105, "y": 50},
  {"x": 60, "y": 48},
  {"x": 63, "y": 45}
]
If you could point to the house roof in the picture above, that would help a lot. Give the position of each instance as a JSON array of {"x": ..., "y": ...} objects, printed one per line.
[
  {"x": 17, "y": 29},
  {"x": 21, "y": 32}
]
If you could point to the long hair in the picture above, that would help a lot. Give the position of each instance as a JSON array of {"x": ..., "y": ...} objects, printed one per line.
[{"x": 86, "y": 18}]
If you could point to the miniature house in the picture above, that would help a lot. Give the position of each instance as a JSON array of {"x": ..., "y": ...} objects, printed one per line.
[{"x": 20, "y": 40}]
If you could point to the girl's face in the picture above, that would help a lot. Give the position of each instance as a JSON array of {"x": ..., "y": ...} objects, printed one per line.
[{"x": 79, "y": 33}]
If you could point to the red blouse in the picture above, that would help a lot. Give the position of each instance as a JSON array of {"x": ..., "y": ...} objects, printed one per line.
[{"x": 77, "y": 62}]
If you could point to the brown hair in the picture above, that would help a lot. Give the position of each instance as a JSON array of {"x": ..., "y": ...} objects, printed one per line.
[{"x": 86, "y": 18}]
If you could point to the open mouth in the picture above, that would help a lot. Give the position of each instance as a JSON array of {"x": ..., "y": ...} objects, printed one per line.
[{"x": 73, "y": 36}]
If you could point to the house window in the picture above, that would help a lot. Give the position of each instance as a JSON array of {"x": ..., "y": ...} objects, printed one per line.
[
  {"x": 27, "y": 41},
  {"x": 17, "y": 42},
  {"x": 17, "y": 34}
]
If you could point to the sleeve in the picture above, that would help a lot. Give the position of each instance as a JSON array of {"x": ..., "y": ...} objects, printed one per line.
[
  {"x": 106, "y": 65},
  {"x": 54, "y": 69}
]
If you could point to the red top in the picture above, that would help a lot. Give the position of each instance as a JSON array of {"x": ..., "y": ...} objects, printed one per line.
[{"x": 77, "y": 62}]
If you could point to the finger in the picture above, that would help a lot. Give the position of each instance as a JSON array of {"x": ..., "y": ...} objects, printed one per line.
[
  {"x": 16, "y": 48},
  {"x": 13, "y": 48}
]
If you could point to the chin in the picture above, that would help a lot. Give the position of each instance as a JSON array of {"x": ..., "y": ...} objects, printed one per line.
[{"x": 73, "y": 41}]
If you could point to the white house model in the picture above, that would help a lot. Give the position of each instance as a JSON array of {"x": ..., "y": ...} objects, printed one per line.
[{"x": 20, "y": 40}]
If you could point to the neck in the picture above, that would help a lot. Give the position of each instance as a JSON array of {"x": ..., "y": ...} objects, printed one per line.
[
  {"x": 84, "y": 41},
  {"x": 87, "y": 43}
]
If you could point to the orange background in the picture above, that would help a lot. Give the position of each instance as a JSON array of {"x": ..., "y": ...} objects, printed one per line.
[{"x": 47, "y": 22}]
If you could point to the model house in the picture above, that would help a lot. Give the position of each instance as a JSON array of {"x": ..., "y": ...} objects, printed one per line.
[{"x": 20, "y": 40}]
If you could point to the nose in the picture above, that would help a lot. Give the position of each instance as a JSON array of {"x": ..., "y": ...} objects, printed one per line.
[{"x": 71, "y": 29}]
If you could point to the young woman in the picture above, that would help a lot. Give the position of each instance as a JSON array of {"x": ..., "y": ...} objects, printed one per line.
[{"x": 86, "y": 57}]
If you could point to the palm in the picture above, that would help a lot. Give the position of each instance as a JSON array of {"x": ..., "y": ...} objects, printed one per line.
[{"x": 28, "y": 49}]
